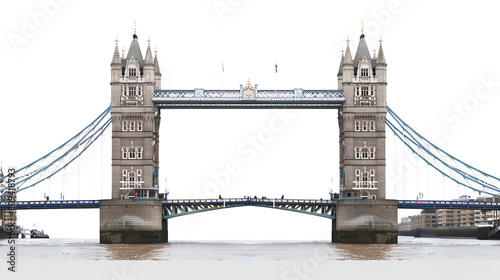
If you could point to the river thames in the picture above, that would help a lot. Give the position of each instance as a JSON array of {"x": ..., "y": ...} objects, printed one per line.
[{"x": 411, "y": 258}]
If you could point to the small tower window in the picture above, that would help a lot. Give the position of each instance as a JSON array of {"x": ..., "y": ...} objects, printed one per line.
[
  {"x": 124, "y": 126},
  {"x": 124, "y": 153},
  {"x": 131, "y": 154},
  {"x": 364, "y": 72},
  {"x": 364, "y": 153},
  {"x": 372, "y": 125},
  {"x": 364, "y": 91},
  {"x": 132, "y": 72},
  {"x": 356, "y": 125},
  {"x": 132, "y": 126},
  {"x": 132, "y": 91},
  {"x": 365, "y": 126},
  {"x": 140, "y": 91},
  {"x": 139, "y": 153},
  {"x": 139, "y": 126}
]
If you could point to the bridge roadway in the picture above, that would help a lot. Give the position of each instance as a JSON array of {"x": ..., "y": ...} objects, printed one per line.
[{"x": 319, "y": 207}]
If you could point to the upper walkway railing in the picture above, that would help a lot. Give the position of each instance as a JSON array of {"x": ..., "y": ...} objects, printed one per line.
[{"x": 200, "y": 98}]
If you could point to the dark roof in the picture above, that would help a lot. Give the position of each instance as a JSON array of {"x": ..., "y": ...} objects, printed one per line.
[
  {"x": 361, "y": 52},
  {"x": 135, "y": 51}
]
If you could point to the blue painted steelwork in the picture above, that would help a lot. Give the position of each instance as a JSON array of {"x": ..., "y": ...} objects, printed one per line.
[
  {"x": 62, "y": 156},
  {"x": 180, "y": 207},
  {"x": 447, "y": 204},
  {"x": 455, "y": 170},
  {"x": 200, "y": 98},
  {"x": 51, "y": 204}
]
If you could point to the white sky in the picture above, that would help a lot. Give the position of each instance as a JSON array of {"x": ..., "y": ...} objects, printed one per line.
[{"x": 56, "y": 80}]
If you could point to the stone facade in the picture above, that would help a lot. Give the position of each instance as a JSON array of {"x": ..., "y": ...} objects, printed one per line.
[
  {"x": 135, "y": 123},
  {"x": 366, "y": 221},
  {"x": 362, "y": 123},
  {"x": 132, "y": 221}
]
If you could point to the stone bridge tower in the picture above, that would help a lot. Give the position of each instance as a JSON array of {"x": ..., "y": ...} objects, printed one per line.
[
  {"x": 134, "y": 214},
  {"x": 362, "y": 123},
  {"x": 135, "y": 123},
  {"x": 363, "y": 214}
]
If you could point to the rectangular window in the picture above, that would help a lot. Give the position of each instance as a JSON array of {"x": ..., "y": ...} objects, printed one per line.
[
  {"x": 357, "y": 91},
  {"x": 364, "y": 127},
  {"x": 364, "y": 153},
  {"x": 356, "y": 152},
  {"x": 124, "y": 172},
  {"x": 357, "y": 126},
  {"x": 140, "y": 91},
  {"x": 132, "y": 126},
  {"x": 124, "y": 91},
  {"x": 372, "y": 172},
  {"x": 364, "y": 72},
  {"x": 139, "y": 126},
  {"x": 139, "y": 153},
  {"x": 372, "y": 153},
  {"x": 364, "y": 91},
  {"x": 139, "y": 172},
  {"x": 132, "y": 72},
  {"x": 131, "y": 154},
  {"x": 358, "y": 172},
  {"x": 372, "y": 125},
  {"x": 373, "y": 91},
  {"x": 124, "y": 153},
  {"x": 124, "y": 126},
  {"x": 132, "y": 90}
]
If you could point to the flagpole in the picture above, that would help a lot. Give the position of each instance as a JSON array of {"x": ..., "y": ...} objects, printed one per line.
[
  {"x": 275, "y": 75},
  {"x": 222, "y": 76}
]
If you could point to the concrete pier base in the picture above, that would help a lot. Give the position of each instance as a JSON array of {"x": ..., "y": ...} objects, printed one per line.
[
  {"x": 366, "y": 221},
  {"x": 124, "y": 221}
]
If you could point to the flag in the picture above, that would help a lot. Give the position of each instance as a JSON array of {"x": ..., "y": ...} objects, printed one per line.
[{"x": 276, "y": 67}]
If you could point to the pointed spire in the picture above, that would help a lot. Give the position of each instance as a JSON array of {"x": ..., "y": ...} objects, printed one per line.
[
  {"x": 116, "y": 54},
  {"x": 381, "y": 57},
  {"x": 348, "y": 56},
  {"x": 341, "y": 63},
  {"x": 157, "y": 66},
  {"x": 149, "y": 56}
]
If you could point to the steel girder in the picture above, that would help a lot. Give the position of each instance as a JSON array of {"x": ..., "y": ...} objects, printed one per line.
[{"x": 180, "y": 207}]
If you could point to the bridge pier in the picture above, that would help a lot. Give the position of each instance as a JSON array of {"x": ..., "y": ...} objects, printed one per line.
[
  {"x": 366, "y": 221},
  {"x": 124, "y": 221}
]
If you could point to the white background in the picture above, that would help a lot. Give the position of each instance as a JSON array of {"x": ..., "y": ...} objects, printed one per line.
[{"x": 55, "y": 80}]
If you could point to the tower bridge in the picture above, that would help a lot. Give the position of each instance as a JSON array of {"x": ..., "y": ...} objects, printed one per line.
[
  {"x": 360, "y": 214},
  {"x": 136, "y": 102}
]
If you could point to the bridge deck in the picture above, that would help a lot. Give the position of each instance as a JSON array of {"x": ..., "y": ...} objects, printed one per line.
[
  {"x": 200, "y": 98},
  {"x": 298, "y": 204}
]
